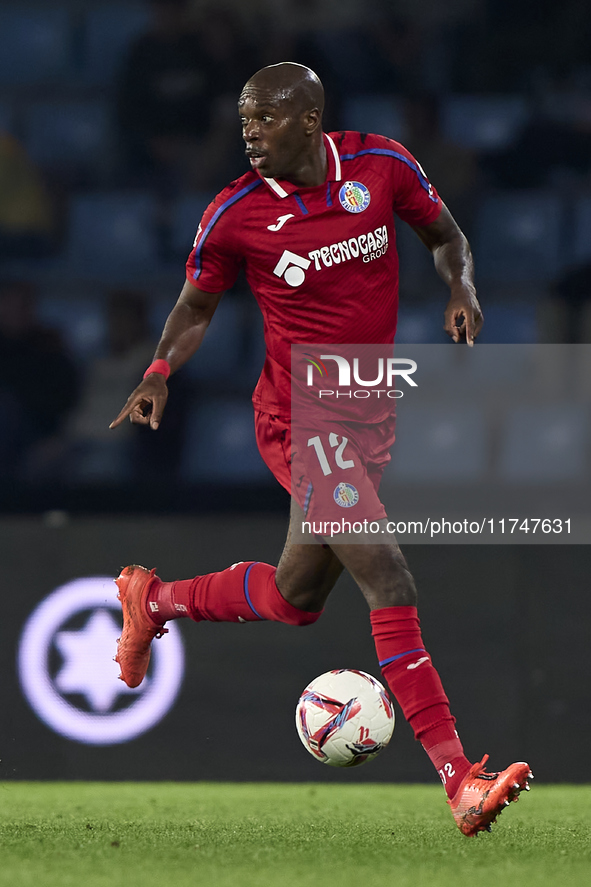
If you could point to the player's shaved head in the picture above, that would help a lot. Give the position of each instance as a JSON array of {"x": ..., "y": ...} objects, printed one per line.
[
  {"x": 280, "y": 112},
  {"x": 289, "y": 82}
]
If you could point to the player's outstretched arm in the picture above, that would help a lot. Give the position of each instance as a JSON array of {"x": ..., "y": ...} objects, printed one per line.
[
  {"x": 182, "y": 335},
  {"x": 453, "y": 261}
]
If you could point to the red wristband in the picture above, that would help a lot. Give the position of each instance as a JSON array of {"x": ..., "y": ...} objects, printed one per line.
[{"x": 159, "y": 366}]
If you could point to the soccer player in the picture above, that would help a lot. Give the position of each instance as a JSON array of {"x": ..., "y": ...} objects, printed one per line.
[{"x": 301, "y": 222}]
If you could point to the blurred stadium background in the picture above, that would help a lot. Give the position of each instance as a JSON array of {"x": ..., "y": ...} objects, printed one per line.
[{"x": 117, "y": 126}]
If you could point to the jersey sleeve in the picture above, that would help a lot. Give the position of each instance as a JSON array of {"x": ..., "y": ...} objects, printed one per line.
[
  {"x": 215, "y": 259},
  {"x": 414, "y": 198}
]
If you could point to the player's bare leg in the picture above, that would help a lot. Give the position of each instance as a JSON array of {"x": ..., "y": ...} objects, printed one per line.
[{"x": 306, "y": 574}]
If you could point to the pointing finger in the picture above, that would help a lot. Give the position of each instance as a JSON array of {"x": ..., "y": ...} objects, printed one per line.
[
  {"x": 122, "y": 415},
  {"x": 136, "y": 409}
]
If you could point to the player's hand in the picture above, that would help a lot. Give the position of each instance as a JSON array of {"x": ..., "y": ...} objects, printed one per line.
[
  {"x": 146, "y": 404},
  {"x": 463, "y": 316}
]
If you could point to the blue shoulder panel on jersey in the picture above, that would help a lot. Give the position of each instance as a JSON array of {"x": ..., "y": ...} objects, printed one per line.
[
  {"x": 386, "y": 153},
  {"x": 219, "y": 212}
]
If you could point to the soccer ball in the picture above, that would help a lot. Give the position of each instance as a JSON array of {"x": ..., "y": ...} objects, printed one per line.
[{"x": 344, "y": 718}]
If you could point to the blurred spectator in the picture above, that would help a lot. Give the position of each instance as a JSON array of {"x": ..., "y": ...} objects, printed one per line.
[
  {"x": 27, "y": 225},
  {"x": 232, "y": 58},
  {"x": 355, "y": 50},
  {"x": 231, "y": 54},
  {"x": 398, "y": 47},
  {"x": 501, "y": 50},
  {"x": 39, "y": 384},
  {"x": 451, "y": 167},
  {"x": 96, "y": 454},
  {"x": 168, "y": 107},
  {"x": 548, "y": 151}
]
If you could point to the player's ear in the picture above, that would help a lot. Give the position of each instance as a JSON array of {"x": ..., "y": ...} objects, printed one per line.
[{"x": 312, "y": 120}]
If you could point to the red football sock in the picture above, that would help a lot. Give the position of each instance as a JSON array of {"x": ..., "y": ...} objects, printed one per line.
[
  {"x": 245, "y": 592},
  {"x": 407, "y": 667}
]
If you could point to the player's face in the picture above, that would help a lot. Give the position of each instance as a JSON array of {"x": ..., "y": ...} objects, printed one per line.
[{"x": 275, "y": 132}]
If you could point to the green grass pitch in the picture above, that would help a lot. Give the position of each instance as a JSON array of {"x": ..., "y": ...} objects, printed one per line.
[{"x": 283, "y": 835}]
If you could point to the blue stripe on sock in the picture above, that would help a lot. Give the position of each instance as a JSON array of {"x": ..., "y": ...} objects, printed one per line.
[
  {"x": 400, "y": 655},
  {"x": 246, "y": 594}
]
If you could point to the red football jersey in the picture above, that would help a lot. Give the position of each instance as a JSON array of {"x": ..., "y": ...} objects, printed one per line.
[{"x": 321, "y": 261}]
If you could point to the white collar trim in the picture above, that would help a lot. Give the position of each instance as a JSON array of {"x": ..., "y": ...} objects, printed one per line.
[
  {"x": 337, "y": 160},
  {"x": 276, "y": 187}
]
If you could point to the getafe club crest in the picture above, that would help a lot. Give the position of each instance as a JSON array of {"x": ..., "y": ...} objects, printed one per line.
[
  {"x": 346, "y": 495},
  {"x": 354, "y": 197}
]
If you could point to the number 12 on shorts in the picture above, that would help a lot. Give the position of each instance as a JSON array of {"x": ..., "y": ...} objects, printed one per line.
[{"x": 335, "y": 444}]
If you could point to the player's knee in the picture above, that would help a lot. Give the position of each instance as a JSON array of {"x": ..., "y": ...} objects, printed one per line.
[
  {"x": 399, "y": 596},
  {"x": 310, "y": 601},
  {"x": 307, "y": 591},
  {"x": 396, "y": 589}
]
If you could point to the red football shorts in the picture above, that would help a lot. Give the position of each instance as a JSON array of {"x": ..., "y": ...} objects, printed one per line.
[{"x": 334, "y": 468}]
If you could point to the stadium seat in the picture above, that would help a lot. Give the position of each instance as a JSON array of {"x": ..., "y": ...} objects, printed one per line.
[
  {"x": 422, "y": 325},
  {"x": 220, "y": 356},
  {"x": 109, "y": 31},
  {"x": 375, "y": 113},
  {"x": 417, "y": 274},
  {"x": 518, "y": 237},
  {"x": 220, "y": 445},
  {"x": 112, "y": 232},
  {"x": 508, "y": 323},
  {"x": 69, "y": 135},
  {"x": 545, "y": 443},
  {"x": 484, "y": 123},
  {"x": 581, "y": 240},
  {"x": 35, "y": 44},
  {"x": 184, "y": 221},
  {"x": 434, "y": 444},
  {"x": 81, "y": 322}
]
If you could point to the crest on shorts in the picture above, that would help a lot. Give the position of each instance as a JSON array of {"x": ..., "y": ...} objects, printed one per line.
[
  {"x": 346, "y": 495},
  {"x": 354, "y": 197}
]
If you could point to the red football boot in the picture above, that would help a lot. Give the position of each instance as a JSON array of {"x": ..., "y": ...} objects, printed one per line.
[
  {"x": 482, "y": 796},
  {"x": 133, "y": 647}
]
